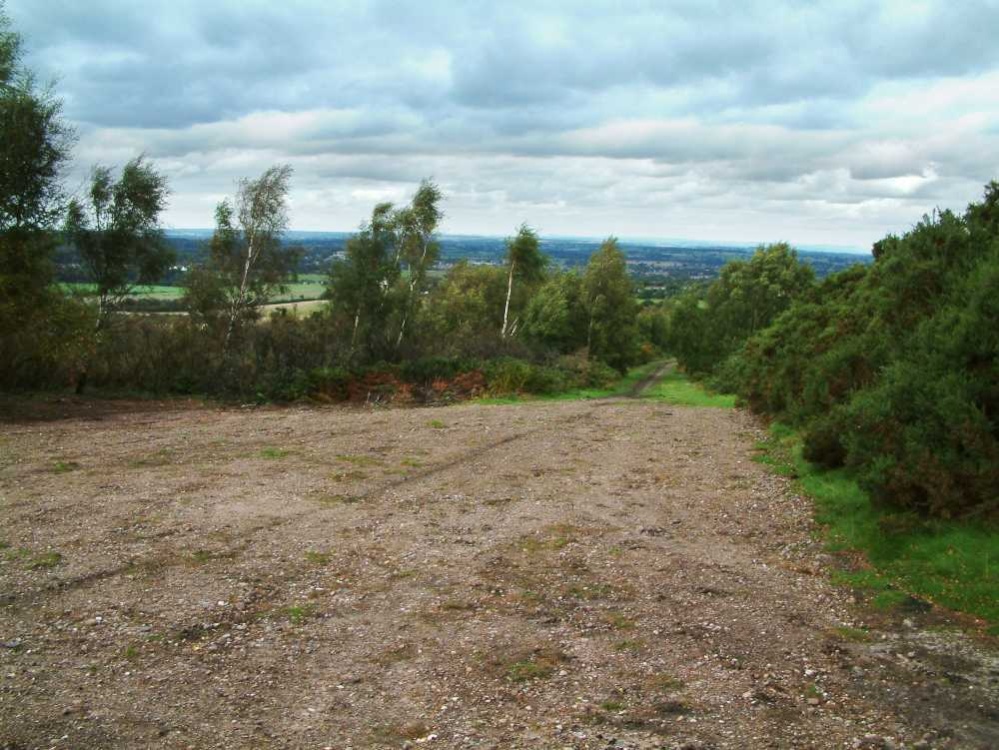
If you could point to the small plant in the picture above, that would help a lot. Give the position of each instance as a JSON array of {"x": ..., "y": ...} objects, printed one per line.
[
  {"x": 360, "y": 460},
  {"x": 629, "y": 645},
  {"x": 619, "y": 621},
  {"x": 318, "y": 558},
  {"x": 855, "y": 635},
  {"x": 62, "y": 467},
  {"x": 540, "y": 664},
  {"x": 296, "y": 613},
  {"x": 411, "y": 463},
  {"x": 338, "y": 499},
  {"x": 45, "y": 560},
  {"x": 436, "y": 424},
  {"x": 131, "y": 653},
  {"x": 274, "y": 453},
  {"x": 201, "y": 556},
  {"x": 612, "y": 705}
]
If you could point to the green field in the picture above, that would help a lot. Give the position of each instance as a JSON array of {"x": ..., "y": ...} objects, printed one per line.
[{"x": 309, "y": 286}]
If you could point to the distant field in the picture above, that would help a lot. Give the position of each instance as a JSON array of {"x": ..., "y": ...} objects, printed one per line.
[{"x": 310, "y": 286}]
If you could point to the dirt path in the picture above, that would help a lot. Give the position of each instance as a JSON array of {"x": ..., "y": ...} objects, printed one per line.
[{"x": 549, "y": 575}]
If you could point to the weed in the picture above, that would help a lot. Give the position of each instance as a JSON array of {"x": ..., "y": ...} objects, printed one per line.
[
  {"x": 589, "y": 592},
  {"x": 318, "y": 558},
  {"x": 541, "y": 663},
  {"x": 202, "y": 556},
  {"x": 854, "y": 635},
  {"x": 666, "y": 683},
  {"x": 45, "y": 560},
  {"x": 629, "y": 645},
  {"x": 612, "y": 705},
  {"x": 297, "y": 613},
  {"x": 618, "y": 621},
  {"x": 338, "y": 499},
  {"x": 436, "y": 424},
  {"x": 274, "y": 453},
  {"x": 412, "y": 463},
  {"x": 62, "y": 467},
  {"x": 131, "y": 653},
  {"x": 360, "y": 460}
]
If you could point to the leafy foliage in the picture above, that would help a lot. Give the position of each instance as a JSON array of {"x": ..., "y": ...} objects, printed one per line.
[{"x": 893, "y": 369}]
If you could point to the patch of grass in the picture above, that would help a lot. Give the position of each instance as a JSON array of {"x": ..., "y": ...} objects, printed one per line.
[
  {"x": 298, "y": 613},
  {"x": 318, "y": 558},
  {"x": 360, "y": 460},
  {"x": 951, "y": 563},
  {"x": 619, "y": 621},
  {"x": 274, "y": 453},
  {"x": 159, "y": 458},
  {"x": 332, "y": 500},
  {"x": 589, "y": 591},
  {"x": 130, "y": 653},
  {"x": 348, "y": 476},
  {"x": 854, "y": 635},
  {"x": 619, "y": 388},
  {"x": 677, "y": 389},
  {"x": 612, "y": 705},
  {"x": 436, "y": 424},
  {"x": 63, "y": 467},
  {"x": 202, "y": 556},
  {"x": 542, "y": 663},
  {"x": 629, "y": 645},
  {"x": 44, "y": 560},
  {"x": 412, "y": 463},
  {"x": 666, "y": 683}
]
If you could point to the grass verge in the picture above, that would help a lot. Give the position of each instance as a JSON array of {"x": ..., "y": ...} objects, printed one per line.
[
  {"x": 950, "y": 563},
  {"x": 621, "y": 387},
  {"x": 676, "y": 388}
]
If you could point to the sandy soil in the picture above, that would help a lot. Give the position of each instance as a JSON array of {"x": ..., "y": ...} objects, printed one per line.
[{"x": 556, "y": 575}]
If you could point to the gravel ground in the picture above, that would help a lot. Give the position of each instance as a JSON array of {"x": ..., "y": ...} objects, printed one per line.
[{"x": 601, "y": 574}]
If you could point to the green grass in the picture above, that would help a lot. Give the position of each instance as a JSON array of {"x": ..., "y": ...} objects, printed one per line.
[
  {"x": 152, "y": 291},
  {"x": 274, "y": 453},
  {"x": 619, "y": 387},
  {"x": 676, "y": 388},
  {"x": 951, "y": 563}
]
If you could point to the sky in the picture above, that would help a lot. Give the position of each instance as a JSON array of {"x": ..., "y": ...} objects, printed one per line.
[{"x": 819, "y": 123}]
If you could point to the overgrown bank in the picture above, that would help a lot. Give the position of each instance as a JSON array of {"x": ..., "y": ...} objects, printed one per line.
[{"x": 890, "y": 370}]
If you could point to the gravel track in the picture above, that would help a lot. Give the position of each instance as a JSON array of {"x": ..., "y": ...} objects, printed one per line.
[{"x": 613, "y": 573}]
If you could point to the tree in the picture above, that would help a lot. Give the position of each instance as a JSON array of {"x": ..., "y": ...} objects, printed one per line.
[
  {"x": 555, "y": 316},
  {"x": 609, "y": 299},
  {"x": 359, "y": 284},
  {"x": 417, "y": 247},
  {"x": 117, "y": 232},
  {"x": 247, "y": 262},
  {"x": 526, "y": 262},
  {"x": 40, "y": 327}
]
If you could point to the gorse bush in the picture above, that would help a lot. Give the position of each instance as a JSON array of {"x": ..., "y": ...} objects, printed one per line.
[{"x": 891, "y": 369}]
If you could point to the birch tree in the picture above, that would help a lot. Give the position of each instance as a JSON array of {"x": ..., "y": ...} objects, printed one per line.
[
  {"x": 247, "y": 262},
  {"x": 417, "y": 248},
  {"x": 526, "y": 262},
  {"x": 116, "y": 231}
]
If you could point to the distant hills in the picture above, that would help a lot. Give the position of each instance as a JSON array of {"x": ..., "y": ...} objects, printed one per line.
[{"x": 675, "y": 259}]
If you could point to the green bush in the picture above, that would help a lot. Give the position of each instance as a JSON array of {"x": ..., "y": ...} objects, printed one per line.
[{"x": 893, "y": 369}]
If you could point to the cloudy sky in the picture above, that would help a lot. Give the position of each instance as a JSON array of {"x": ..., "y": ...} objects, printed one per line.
[{"x": 820, "y": 123}]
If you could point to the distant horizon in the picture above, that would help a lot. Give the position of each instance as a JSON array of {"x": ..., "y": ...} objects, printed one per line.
[{"x": 625, "y": 239}]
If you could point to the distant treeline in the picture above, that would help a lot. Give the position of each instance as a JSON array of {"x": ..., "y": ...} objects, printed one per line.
[
  {"x": 647, "y": 263},
  {"x": 891, "y": 369}
]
